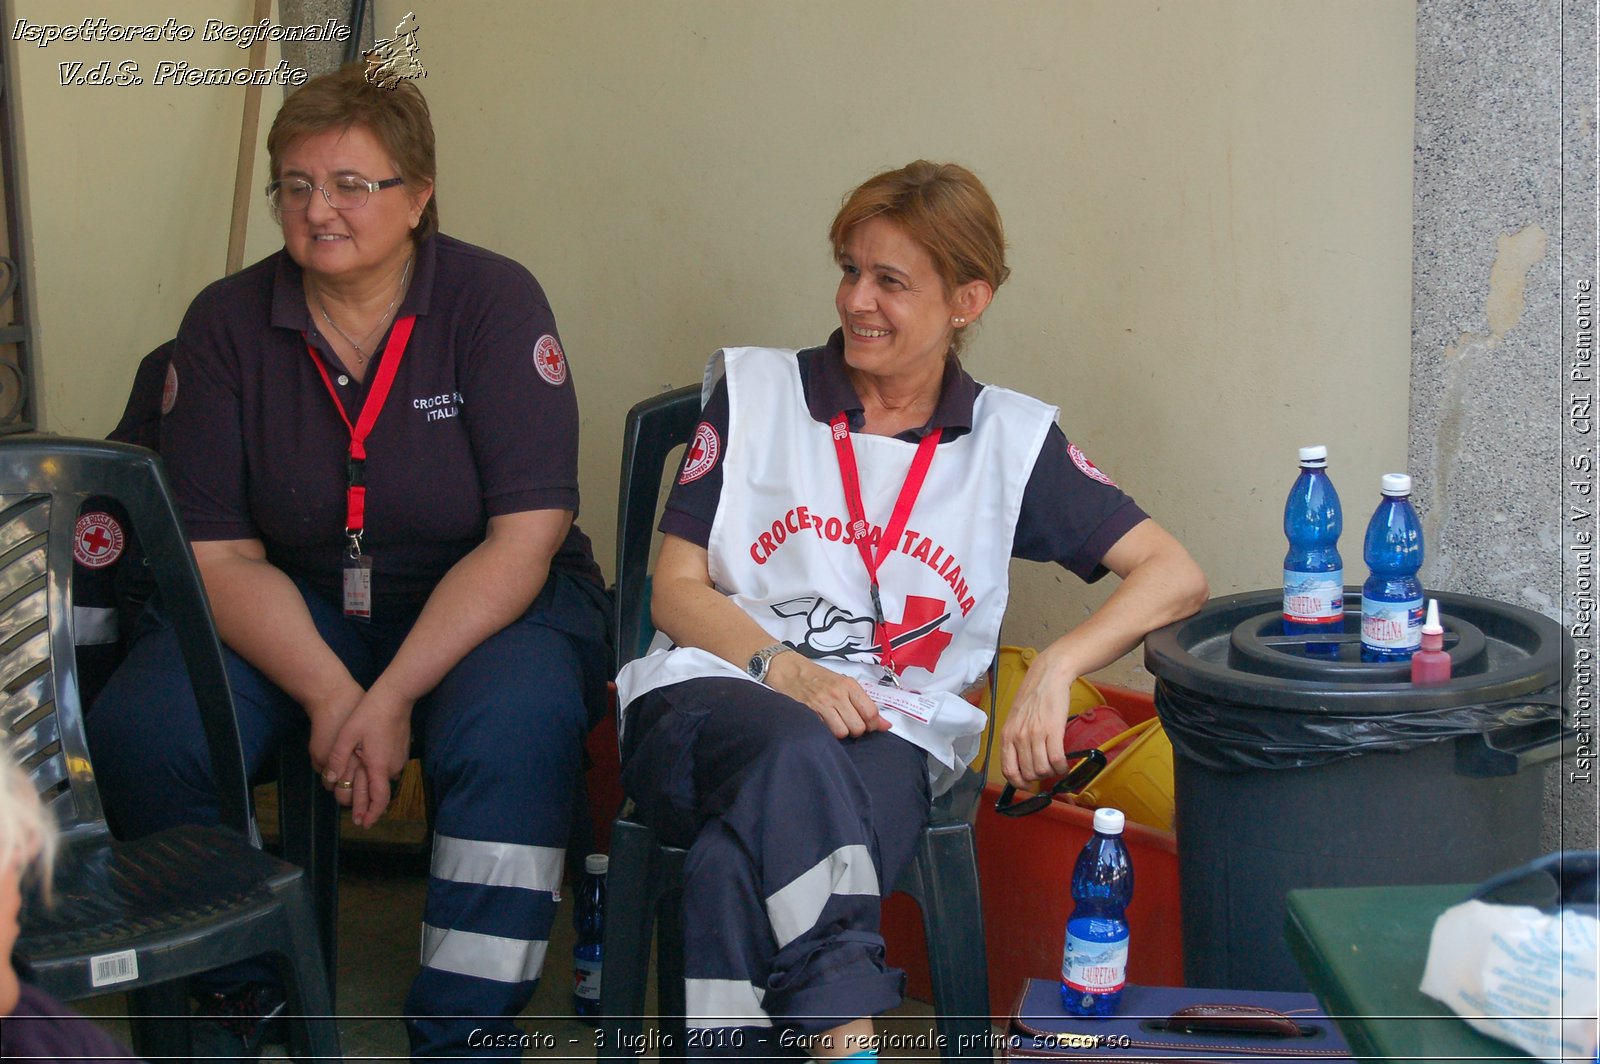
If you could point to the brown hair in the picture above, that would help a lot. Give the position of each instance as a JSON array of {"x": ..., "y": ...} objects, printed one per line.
[
  {"x": 398, "y": 117},
  {"x": 945, "y": 209}
]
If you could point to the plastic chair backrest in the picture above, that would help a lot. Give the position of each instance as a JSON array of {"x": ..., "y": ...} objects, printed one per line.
[
  {"x": 44, "y": 481},
  {"x": 654, "y": 429}
]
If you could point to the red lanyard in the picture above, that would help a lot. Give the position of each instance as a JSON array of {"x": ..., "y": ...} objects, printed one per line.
[
  {"x": 355, "y": 505},
  {"x": 897, "y": 519}
]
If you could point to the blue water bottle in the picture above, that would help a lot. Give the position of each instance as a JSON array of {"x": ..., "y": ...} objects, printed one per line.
[
  {"x": 1094, "y": 962},
  {"x": 588, "y": 918},
  {"x": 1391, "y": 599},
  {"x": 1313, "y": 572}
]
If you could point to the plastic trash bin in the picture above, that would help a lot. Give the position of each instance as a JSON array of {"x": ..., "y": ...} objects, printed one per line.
[{"x": 1295, "y": 771}]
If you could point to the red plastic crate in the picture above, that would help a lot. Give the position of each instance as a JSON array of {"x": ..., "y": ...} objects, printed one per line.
[
  {"x": 604, "y": 777},
  {"x": 1025, "y": 867}
]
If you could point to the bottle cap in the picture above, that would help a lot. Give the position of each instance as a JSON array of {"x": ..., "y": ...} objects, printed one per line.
[
  {"x": 1108, "y": 821},
  {"x": 1314, "y": 456},
  {"x": 1431, "y": 626},
  {"x": 1397, "y": 484},
  {"x": 596, "y": 864}
]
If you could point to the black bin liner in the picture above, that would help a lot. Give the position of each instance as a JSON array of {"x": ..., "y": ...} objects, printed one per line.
[
  {"x": 1231, "y": 738},
  {"x": 1293, "y": 771},
  {"x": 1235, "y": 695}
]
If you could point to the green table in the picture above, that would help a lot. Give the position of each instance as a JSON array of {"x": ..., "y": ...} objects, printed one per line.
[{"x": 1362, "y": 950}]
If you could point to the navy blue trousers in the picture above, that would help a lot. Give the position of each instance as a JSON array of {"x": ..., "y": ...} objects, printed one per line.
[
  {"x": 501, "y": 739},
  {"x": 794, "y": 837}
]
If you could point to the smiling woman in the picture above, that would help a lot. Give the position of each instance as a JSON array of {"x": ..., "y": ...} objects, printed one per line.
[
  {"x": 350, "y": 234},
  {"x": 899, "y": 322},
  {"x": 349, "y": 431},
  {"x": 834, "y": 574}
]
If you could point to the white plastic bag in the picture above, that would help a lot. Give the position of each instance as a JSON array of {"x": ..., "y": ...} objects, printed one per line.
[{"x": 1519, "y": 974}]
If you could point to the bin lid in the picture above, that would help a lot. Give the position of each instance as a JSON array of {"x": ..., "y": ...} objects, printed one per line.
[{"x": 1234, "y": 651}]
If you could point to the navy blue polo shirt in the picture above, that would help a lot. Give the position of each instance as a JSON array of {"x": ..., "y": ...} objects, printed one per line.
[
  {"x": 1071, "y": 512},
  {"x": 482, "y": 420}
]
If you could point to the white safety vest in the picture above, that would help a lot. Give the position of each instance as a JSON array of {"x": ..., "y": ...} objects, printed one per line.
[{"x": 780, "y": 548}]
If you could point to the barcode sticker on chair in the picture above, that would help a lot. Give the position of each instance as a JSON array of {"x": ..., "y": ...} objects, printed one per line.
[{"x": 109, "y": 968}]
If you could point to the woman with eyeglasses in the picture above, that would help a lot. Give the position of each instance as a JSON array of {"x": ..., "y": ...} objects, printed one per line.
[
  {"x": 833, "y": 575},
  {"x": 372, "y": 435}
]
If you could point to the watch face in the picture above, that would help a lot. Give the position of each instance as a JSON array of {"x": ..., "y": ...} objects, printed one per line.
[{"x": 757, "y": 666}]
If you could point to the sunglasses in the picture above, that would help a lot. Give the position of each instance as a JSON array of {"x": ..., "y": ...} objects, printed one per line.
[
  {"x": 1082, "y": 774},
  {"x": 1564, "y": 878}
]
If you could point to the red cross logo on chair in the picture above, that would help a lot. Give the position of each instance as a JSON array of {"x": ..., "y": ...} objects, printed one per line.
[
  {"x": 917, "y": 639},
  {"x": 549, "y": 361},
  {"x": 97, "y": 541},
  {"x": 702, "y": 455}
]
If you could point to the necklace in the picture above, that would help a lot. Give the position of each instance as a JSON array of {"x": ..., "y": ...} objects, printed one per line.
[{"x": 362, "y": 355}]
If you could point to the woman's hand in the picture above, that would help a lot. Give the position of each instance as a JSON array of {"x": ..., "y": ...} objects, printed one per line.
[
  {"x": 370, "y": 751},
  {"x": 487, "y": 589},
  {"x": 1031, "y": 745},
  {"x": 1160, "y": 584},
  {"x": 841, "y": 701},
  {"x": 327, "y": 717},
  {"x": 262, "y": 617},
  {"x": 685, "y": 605}
]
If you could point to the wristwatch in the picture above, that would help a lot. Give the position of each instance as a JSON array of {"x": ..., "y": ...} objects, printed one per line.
[{"x": 761, "y": 660}]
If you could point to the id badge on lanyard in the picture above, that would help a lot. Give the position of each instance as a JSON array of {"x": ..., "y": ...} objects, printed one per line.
[
  {"x": 357, "y": 567},
  {"x": 895, "y": 699},
  {"x": 851, "y": 477},
  {"x": 357, "y": 584}
]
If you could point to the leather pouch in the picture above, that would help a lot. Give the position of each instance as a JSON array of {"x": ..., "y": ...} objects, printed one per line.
[{"x": 1159, "y": 1023}]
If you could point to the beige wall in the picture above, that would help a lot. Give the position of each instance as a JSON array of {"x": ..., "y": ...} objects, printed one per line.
[
  {"x": 128, "y": 191},
  {"x": 1208, "y": 205}
]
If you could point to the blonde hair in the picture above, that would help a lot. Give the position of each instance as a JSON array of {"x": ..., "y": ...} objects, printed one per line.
[
  {"x": 945, "y": 209},
  {"x": 27, "y": 831}
]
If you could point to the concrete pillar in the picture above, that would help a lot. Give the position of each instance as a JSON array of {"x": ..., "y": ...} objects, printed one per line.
[
  {"x": 320, "y": 57},
  {"x": 1504, "y": 243}
]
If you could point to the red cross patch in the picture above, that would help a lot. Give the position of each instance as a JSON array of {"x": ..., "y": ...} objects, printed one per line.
[
  {"x": 1086, "y": 467},
  {"x": 97, "y": 541},
  {"x": 169, "y": 390},
  {"x": 549, "y": 361},
  {"x": 704, "y": 450}
]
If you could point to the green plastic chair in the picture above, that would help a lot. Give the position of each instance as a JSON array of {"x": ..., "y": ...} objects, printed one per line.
[
  {"x": 141, "y": 916},
  {"x": 645, "y": 878}
]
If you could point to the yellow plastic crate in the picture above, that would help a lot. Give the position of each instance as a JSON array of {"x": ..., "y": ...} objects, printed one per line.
[{"x": 1139, "y": 782}]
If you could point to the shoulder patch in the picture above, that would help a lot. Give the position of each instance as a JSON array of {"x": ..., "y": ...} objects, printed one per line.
[
  {"x": 97, "y": 541},
  {"x": 169, "y": 390},
  {"x": 1086, "y": 467},
  {"x": 549, "y": 361},
  {"x": 704, "y": 450}
]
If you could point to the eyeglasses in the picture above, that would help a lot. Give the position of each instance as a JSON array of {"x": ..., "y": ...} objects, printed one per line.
[
  {"x": 1082, "y": 774},
  {"x": 344, "y": 193},
  {"x": 1565, "y": 878}
]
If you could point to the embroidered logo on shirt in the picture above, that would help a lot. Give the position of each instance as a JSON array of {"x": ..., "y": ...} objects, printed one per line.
[
  {"x": 97, "y": 541},
  {"x": 704, "y": 450},
  {"x": 1086, "y": 467},
  {"x": 169, "y": 390},
  {"x": 549, "y": 361},
  {"x": 439, "y": 407}
]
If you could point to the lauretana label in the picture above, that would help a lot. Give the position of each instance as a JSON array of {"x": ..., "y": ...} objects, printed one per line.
[{"x": 1391, "y": 625}]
